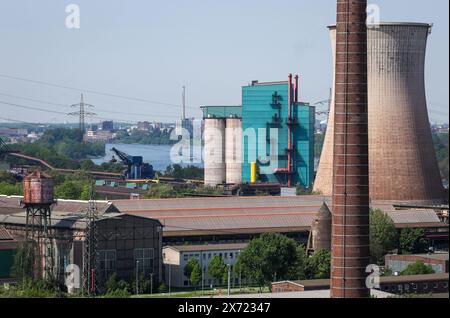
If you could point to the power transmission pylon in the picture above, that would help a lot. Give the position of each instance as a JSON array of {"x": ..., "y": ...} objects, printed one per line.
[
  {"x": 90, "y": 253},
  {"x": 82, "y": 113}
]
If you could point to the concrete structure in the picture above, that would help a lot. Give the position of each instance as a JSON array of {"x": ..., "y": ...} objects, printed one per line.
[
  {"x": 233, "y": 150},
  {"x": 402, "y": 159},
  {"x": 350, "y": 253},
  {"x": 320, "y": 234},
  {"x": 176, "y": 258},
  {"x": 398, "y": 263},
  {"x": 214, "y": 151}
]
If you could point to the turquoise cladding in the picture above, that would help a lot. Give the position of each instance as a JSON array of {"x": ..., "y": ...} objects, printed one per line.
[{"x": 265, "y": 107}]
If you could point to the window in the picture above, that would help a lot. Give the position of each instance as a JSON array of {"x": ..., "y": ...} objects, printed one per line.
[
  {"x": 185, "y": 257},
  {"x": 185, "y": 283},
  {"x": 425, "y": 286},
  {"x": 204, "y": 256},
  {"x": 436, "y": 285},
  {"x": 107, "y": 262},
  {"x": 414, "y": 286},
  {"x": 143, "y": 259},
  {"x": 209, "y": 255}
]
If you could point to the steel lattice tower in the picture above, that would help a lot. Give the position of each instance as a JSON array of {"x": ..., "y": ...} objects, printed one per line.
[
  {"x": 90, "y": 253},
  {"x": 82, "y": 113},
  {"x": 350, "y": 221}
]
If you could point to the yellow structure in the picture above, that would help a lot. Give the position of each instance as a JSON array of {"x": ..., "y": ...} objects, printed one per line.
[{"x": 253, "y": 172}]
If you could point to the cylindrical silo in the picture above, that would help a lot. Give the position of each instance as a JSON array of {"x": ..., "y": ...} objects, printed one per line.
[
  {"x": 320, "y": 235},
  {"x": 402, "y": 159},
  {"x": 214, "y": 151},
  {"x": 233, "y": 150}
]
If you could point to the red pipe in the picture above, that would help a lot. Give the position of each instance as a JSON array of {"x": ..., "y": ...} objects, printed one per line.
[{"x": 290, "y": 131}]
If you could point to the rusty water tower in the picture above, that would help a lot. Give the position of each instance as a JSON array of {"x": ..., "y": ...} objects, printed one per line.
[{"x": 38, "y": 197}]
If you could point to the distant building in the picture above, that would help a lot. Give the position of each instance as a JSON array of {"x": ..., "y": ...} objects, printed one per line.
[
  {"x": 107, "y": 125},
  {"x": 398, "y": 263},
  {"x": 143, "y": 126},
  {"x": 99, "y": 136},
  {"x": 13, "y": 132},
  {"x": 175, "y": 259},
  {"x": 127, "y": 244}
]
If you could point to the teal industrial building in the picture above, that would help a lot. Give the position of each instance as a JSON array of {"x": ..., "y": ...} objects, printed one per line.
[{"x": 276, "y": 133}]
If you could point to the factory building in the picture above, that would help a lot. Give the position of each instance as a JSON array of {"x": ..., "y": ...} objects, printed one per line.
[
  {"x": 269, "y": 139},
  {"x": 402, "y": 160},
  {"x": 127, "y": 244},
  {"x": 284, "y": 129},
  {"x": 176, "y": 258}
]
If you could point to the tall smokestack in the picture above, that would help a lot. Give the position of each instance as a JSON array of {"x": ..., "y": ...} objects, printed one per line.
[
  {"x": 350, "y": 229},
  {"x": 184, "y": 102}
]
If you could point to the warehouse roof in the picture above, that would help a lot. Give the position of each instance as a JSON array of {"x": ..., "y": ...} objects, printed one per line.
[
  {"x": 4, "y": 234},
  {"x": 64, "y": 220},
  {"x": 12, "y": 204},
  {"x": 235, "y": 215},
  {"x": 208, "y": 247}
]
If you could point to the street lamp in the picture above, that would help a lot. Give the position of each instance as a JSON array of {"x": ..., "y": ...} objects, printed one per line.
[
  {"x": 151, "y": 283},
  {"x": 229, "y": 279},
  {"x": 137, "y": 277}
]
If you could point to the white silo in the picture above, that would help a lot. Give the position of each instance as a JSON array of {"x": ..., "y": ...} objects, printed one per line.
[
  {"x": 233, "y": 150},
  {"x": 214, "y": 151},
  {"x": 402, "y": 159}
]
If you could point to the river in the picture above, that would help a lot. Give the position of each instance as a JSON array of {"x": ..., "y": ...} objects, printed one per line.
[{"x": 156, "y": 155}]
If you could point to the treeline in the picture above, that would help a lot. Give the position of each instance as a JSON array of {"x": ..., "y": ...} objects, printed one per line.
[
  {"x": 151, "y": 137},
  {"x": 60, "y": 147},
  {"x": 441, "y": 146}
]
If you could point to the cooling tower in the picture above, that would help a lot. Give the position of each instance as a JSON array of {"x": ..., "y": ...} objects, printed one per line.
[
  {"x": 403, "y": 164},
  {"x": 350, "y": 220},
  {"x": 233, "y": 150},
  {"x": 214, "y": 152}
]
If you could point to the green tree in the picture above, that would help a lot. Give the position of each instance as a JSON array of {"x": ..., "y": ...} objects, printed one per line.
[
  {"x": 191, "y": 264},
  {"x": 267, "y": 258},
  {"x": 23, "y": 265},
  {"x": 413, "y": 241},
  {"x": 217, "y": 268},
  {"x": 69, "y": 190},
  {"x": 297, "y": 271},
  {"x": 7, "y": 178},
  {"x": 318, "y": 266},
  {"x": 418, "y": 268},
  {"x": 196, "y": 274},
  {"x": 383, "y": 235}
]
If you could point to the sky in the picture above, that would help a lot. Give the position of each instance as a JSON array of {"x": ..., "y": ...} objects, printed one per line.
[{"x": 147, "y": 50}]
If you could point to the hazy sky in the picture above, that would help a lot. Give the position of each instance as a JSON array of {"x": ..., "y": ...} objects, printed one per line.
[{"x": 150, "y": 49}]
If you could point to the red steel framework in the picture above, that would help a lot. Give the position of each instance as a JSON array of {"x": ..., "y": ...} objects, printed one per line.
[{"x": 350, "y": 230}]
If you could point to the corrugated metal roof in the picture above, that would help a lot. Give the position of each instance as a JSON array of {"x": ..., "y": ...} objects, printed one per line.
[
  {"x": 4, "y": 234},
  {"x": 11, "y": 205},
  {"x": 202, "y": 216}
]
